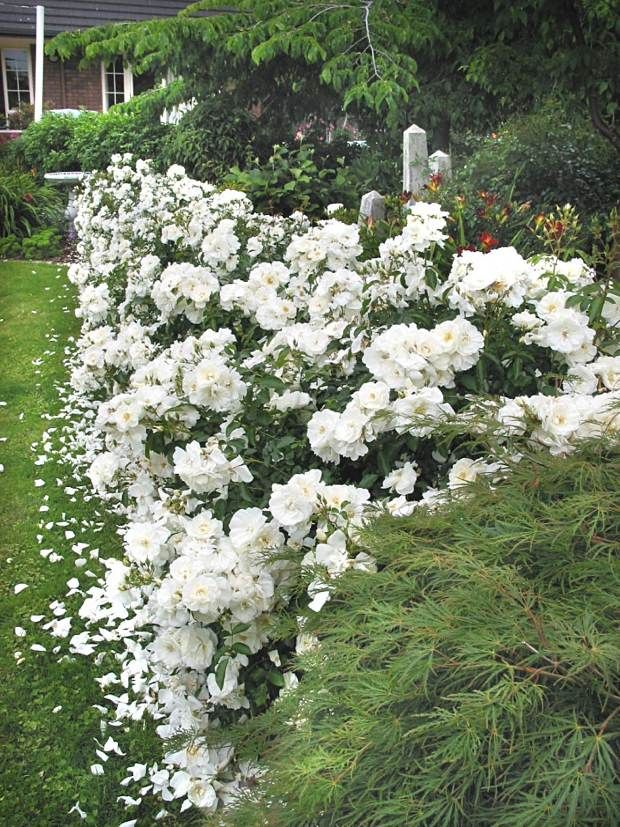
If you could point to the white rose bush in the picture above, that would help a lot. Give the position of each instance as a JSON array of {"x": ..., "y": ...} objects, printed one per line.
[{"x": 248, "y": 390}]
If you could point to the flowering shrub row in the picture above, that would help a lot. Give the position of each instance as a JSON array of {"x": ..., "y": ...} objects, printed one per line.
[{"x": 252, "y": 391}]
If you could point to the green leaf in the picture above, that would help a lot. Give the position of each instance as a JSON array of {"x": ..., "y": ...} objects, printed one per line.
[
  {"x": 241, "y": 648},
  {"x": 238, "y": 628},
  {"x": 273, "y": 382},
  {"x": 275, "y": 678},
  {"x": 220, "y": 671},
  {"x": 368, "y": 480},
  {"x": 596, "y": 308}
]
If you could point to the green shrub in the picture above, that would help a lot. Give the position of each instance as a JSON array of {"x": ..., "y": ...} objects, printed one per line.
[
  {"x": 358, "y": 167},
  {"x": 43, "y": 245},
  {"x": 12, "y": 158},
  {"x": 61, "y": 142},
  {"x": 215, "y": 143},
  {"x": 10, "y": 246},
  {"x": 46, "y": 146},
  {"x": 209, "y": 140},
  {"x": 296, "y": 179},
  {"x": 473, "y": 679},
  {"x": 533, "y": 164},
  {"x": 26, "y": 205},
  {"x": 130, "y": 128},
  {"x": 547, "y": 157}
]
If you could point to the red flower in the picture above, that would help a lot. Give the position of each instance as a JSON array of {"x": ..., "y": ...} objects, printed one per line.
[
  {"x": 555, "y": 229},
  {"x": 28, "y": 198},
  {"x": 488, "y": 241},
  {"x": 469, "y": 247},
  {"x": 434, "y": 182},
  {"x": 488, "y": 198}
]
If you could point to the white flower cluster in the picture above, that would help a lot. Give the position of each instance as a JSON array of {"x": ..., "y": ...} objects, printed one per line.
[
  {"x": 184, "y": 289},
  {"x": 236, "y": 367},
  {"x": 558, "y": 422}
]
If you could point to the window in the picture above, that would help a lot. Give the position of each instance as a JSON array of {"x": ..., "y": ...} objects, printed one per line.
[
  {"x": 117, "y": 83},
  {"x": 17, "y": 78}
]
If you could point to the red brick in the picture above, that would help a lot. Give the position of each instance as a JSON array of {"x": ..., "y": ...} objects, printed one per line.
[{"x": 67, "y": 87}]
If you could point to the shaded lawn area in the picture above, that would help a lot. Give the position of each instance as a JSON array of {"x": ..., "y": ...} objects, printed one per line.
[{"x": 45, "y": 756}]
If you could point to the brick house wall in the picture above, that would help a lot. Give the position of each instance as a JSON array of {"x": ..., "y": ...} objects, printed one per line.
[{"x": 67, "y": 87}]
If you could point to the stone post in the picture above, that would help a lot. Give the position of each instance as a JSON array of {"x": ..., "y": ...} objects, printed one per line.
[
  {"x": 415, "y": 160},
  {"x": 372, "y": 208},
  {"x": 440, "y": 163}
]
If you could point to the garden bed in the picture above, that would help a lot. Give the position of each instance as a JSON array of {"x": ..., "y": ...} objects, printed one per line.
[{"x": 248, "y": 391}]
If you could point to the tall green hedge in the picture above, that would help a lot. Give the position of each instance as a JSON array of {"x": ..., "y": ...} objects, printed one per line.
[
  {"x": 46, "y": 145},
  {"x": 474, "y": 679}
]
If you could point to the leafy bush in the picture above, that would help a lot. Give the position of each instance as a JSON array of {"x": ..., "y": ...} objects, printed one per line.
[
  {"x": 209, "y": 140},
  {"x": 289, "y": 180},
  {"x": 473, "y": 679},
  {"x": 60, "y": 142},
  {"x": 10, "y": 246},
  {"x": 47, "y": 146},
  {"x": 42, "y": 245},
  {"x": 298, "y": 178},
  {"x": 131, "y": 127},
  {"x": 311, "y": 174},
  {"x": 26, "y": 205},
  {"x": 547, "y": 157}
]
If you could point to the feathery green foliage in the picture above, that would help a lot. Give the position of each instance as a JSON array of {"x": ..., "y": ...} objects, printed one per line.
[{"x": 473, "y": 679}]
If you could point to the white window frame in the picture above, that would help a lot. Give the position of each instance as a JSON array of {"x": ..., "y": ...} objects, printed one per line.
[
  {"x": 23, "y": 47},
  {"x": 127, "y": 85}
]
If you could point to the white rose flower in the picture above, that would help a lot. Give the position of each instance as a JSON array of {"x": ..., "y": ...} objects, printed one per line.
[
  {"x": 402, "y": 480},
  {"x": 145, "y": 543},
  {"x": 373, "y": 396},
  {"x": 295, "y": 502}
]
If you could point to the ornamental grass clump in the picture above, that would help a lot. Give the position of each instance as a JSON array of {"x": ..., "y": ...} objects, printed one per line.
[{"x": 474, "y": 679}]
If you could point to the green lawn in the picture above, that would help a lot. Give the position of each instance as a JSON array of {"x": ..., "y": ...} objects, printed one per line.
[{"x": 45, "y": 756}]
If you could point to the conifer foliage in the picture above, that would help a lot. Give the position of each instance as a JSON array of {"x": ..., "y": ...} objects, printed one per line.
[{"x": 473, "y": 679}]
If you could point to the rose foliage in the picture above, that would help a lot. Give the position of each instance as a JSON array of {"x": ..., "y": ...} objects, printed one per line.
[{"x": 250, "y": 392}]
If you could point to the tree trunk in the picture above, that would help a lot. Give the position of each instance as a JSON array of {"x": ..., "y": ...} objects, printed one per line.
[{"x": 599, "y": 123}]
